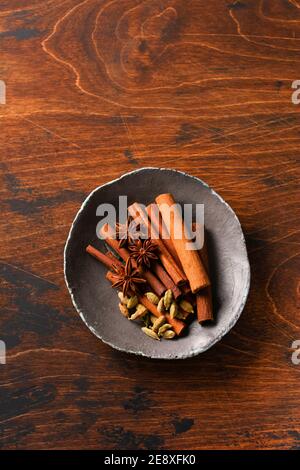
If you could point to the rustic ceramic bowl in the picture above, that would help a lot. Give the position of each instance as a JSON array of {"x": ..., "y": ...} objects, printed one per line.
[{"x": 97, "y": 303}]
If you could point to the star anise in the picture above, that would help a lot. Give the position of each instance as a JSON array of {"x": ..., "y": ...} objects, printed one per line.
[
  {"x": 126, "y": 233},
  {"x": 127, "y": 278},
  {"x": 143, "y": 252}
]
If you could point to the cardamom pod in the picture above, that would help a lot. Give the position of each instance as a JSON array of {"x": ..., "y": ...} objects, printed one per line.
[
  {"x": 169, "y": 334},
  {"x": 173, "y": 310},
  {"x": 139, "y": 313},
  {"x": 152, "y": 297},
  {"x": 186, "y": 306},
  {"x": 124, "y": 310},
  {"x": 132, "y": 302},
  {"x": 153, "y": 318},
  {"x": 161, "y": 305},
  {"x": 164, "y": 328},
  {"x": 150, "y": 333},
  {"x": 122, "y": 298},
  {"x": 158, "y": 323},
  {"x": 141, "y": 307},
  {"x": 168, "y": 297}
]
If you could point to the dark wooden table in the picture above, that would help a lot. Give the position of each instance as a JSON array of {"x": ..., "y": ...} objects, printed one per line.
[{"x": 97, "y": 88}]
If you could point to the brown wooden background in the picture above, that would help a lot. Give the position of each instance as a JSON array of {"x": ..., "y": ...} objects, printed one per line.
[{"x": 96, "y": 88}]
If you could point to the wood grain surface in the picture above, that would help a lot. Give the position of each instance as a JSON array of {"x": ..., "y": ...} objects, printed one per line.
[{"x": 96, "y": 88}]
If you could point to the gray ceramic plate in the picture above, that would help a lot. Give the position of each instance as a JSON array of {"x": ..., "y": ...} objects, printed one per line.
[{"x": 97, "y": 303}]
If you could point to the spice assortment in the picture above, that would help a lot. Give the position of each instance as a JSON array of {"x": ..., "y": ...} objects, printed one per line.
[{"x": 161, "y": 284}]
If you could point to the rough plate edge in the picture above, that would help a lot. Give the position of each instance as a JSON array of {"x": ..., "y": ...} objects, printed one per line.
[{"x": 140, "y": 353}]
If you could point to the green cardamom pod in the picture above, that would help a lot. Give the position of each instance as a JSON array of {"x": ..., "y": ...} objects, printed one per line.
[
  {"x": 132, "y": 302},
  {"x": 169, "y": 334},
  {"x": 168, "y": 297},
  {"x": 140, "y": 312},
  {"x": 164, "y": 328},
  {"x": 161, "y": 305},
  {"x": 173, "y": 310},
  {"x": 152, "y": 297},
  {"x": 153, "y": 318},
  {"x": 158, "y": 323},
  {"x": 186, "y": 306},
  {"x": 150, "y": 333}
]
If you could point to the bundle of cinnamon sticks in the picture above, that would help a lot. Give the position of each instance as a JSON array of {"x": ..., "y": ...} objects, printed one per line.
[{"x": 160, "y": 281}]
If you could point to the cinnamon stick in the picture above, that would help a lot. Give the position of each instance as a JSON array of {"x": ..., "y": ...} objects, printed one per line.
[
  {"x": 104, "y": 259},
  {"x": 204, "y": 306},
  {"x": 111, "y": 255},
  {"x": 190, "y": 259},
  {"x": 156, "y": 221},
  {"x": 204, "y": 297},
  {"x": 177, "y": 275},
  {"x": 160, "y": 227},
  {"x": 177, "y": 325},
  {"x": 164, "y": 277},
  {"x": 155, "y": 284}
]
